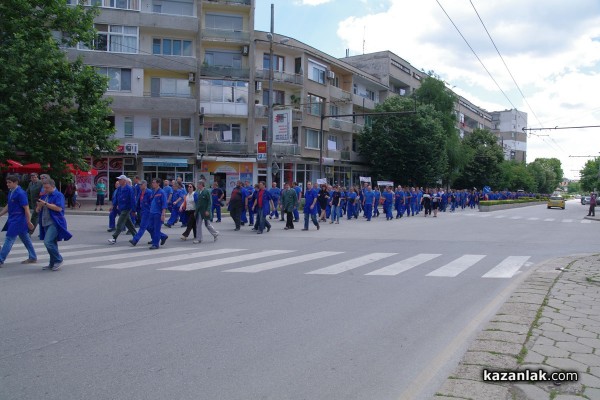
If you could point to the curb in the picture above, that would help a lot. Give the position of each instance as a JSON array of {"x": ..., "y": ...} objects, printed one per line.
[{"x": 502, "y": 344}]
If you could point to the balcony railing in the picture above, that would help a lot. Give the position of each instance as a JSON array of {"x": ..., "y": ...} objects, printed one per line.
[
  {"x": 167, "y": 94},
  {"x": 231, "y": 2},
  {"x": 224, "y": 147},
  {"x": 341, "y": 124},
  {"x": 224, "y": 72},
  {"x": 296, "y": 115},
  {"x": 278, "y": 76},
  {"x": 345, "y": 155},
  {"x": 240, "y": 36},
  {"x": 262, "y": 111},
  {"x": 338, "y": 93},
  {"x": 280, "y": 149},
  {"x": 364, "y": 102}
]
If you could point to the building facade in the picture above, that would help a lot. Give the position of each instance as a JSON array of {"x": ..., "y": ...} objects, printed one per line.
[{"x": 508, "y": 126}]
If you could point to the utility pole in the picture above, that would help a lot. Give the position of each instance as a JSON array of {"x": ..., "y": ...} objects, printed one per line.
[{"x": 270, "y": 125}]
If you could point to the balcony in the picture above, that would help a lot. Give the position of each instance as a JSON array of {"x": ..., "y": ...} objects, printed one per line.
[
  {"x": 340, "y": 94},
  {"x": 181, "y": 105},
  {"x": 278, "y": 76},
  {"x": 225, "y": 109},
  {"x": 262, "y": 111},
  {"x": 230, "y": 2},
  {"x": 226, "y": 35},
  {"x": 341, "y": 124},
  {"x": 296, "y": 115},
  {"x": 224, "y": 72},
  {"x": 345, "y": 156},
  {"x": 281, "y": 149},
  {"x": 363, "y": 102},
  {"x": 223, "y": 147}
]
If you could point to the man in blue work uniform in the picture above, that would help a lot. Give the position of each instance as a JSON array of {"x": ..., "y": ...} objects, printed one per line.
[
  {"x": 144, "y": 202},
  {"x": 350, "y": 201},
  {"x": 298, "y": 191},
  {"x": 250, "y": 200},
  {"x": 125, "y": 204},
  {"x": 264, "y": 204},
  {"x": 176, "y": 202},
  {"x": 399, "y": 202},
  {"x": 275, "y": 193},
  {"x": 136, "y": 193},
  {"x": 19, "y": 221},
  {"x": 407, "y": 200},
  {"x": 158, "y": 210},
  {"x": 114, "y": 209},
  {"x": 246, "y": 192},
  {"x": 310, "y": 206},
  {"x": 377, "y": 194},
  {"x": 168, "y": 193},
  {"x": 388, "y": 201},
  {"x": 217, "y": 196},
  {"x": 368, "y": 199}
]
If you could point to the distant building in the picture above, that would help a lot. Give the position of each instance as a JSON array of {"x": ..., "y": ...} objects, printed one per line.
[{"x": 508, "y": 126}]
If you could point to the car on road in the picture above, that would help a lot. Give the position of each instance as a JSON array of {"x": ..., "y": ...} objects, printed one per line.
[
  {"x": 585, "y": 200},
  {"x": 556, "y": 201}
]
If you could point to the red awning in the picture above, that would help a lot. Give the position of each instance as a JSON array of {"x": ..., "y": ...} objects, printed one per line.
[{"x": 76, "y": 171}]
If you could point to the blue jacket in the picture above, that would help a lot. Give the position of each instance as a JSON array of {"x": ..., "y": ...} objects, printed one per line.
[
  {"x": 266, "y": 205},
  {"x": 275, "y": 193},
  {"x": 58, "y": 217},
  {"x": 126, "y": 198},
  {"x": 17, "y": 220},
  {"x": 388, "y": 198},
  {"x": 369, "y": 197},
  {"x": 144, "y": 204},
  {"x": 159, "y": 201},
  {"x": 310, "y": 196}
]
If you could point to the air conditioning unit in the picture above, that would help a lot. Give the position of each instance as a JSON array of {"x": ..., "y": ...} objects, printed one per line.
[
  {"x": 258, "y": 86},
  {"x": 131, "y": 148},
  {"x": 245, "y": 50},
  {"x": 192, "y": 77},
  {"x": 330, "y": 74}
]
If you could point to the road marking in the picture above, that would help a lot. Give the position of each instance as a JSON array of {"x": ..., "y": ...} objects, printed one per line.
[
  {"x": 102, "y": 250},
  {"x": 457, "y": 266},
  {"x": 404, "y": 265},
  {"x": 284, "y": 262},
  {"x": 507, "y": 268},
  {"x": 567, "y": 220},
  {"x": 586, "y": 221},
  {"x": 500, "y": 216},
  {"x": 40, "y": 246},
  {"x": 225, "y": 261},
  {"x": 132, "y": 254},
  {"x": 516, "y": 217},
  {"x": 485, "y": 215},
  {"x": 549, "y": 219},
  {"x": 533, "y": 219},
  {"x": 351, "y": 264},
  {"x": 169, "y": 259}
]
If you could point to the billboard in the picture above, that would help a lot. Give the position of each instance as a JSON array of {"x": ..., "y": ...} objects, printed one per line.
[{"x": 282, "y": 126}]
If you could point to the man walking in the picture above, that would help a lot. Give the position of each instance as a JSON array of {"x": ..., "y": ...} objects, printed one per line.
[
  {"x": 236, "y": 204},
  {"x": 144, "y": 203},
  {"x": 592, "y": 211},
  {"x": 158, "y": 211},
  {"x": 203, "y": 206},
  {"x": 125, "y": 205},
  {"x": 53, "y": 225},
  {"x": 263, "y": 205},
  {"x": 368, "y": 199},
  {"x": 289, "y": 203},
  {"x": 275, "y": 193},
  {"x": 217, "y": 196},
  {"x": 310, "y": 206},
  {"x": 18, "y": 223},
  {"x": 33, "y": 194}
]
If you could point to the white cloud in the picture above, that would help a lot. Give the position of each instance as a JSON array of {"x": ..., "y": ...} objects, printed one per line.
[
  {"x": 314, "y": 2},
  {"x": 549, "y": 47}
]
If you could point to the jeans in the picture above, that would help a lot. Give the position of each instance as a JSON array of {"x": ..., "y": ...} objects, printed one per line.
[
  {"x": 262, "y": 220},
  {"x": 313, "y": 216},
  {"x": 10, "y": 240},
  {"x": 217, "y": 208},
  {"x": 335, "y": 213},
  {"x": 51, "y": 244}
]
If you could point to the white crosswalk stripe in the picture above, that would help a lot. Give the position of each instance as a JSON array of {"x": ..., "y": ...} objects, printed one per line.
[
  {"x": 404, "y": 265},
  {"x": 225, "y": 261},
  {"x": 39, "y": 247},
  {"x": 351, "y": 264},
  {"x": 169, "y": 259},
  {"x": 516, "y": 217},
  {"x": 500, "y": 216},
  {"x": 457, "y": 266},
  {"x": 533, "y": 219},
  {"x": 567, "y": 220},
  {"x": 285, "y": 262},
  {"x": 102, "y": 250},
  {"x": 586, "y": 221},
  {"x": 549, "y": 219},
  {"x": 128, "y": 253},
  {"x": 507, "y": 268}
]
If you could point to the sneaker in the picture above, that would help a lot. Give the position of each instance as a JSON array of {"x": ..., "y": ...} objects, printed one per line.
[
  {"x": 29, "y": 261},
  {"x": 150, "y": 242},
  {"x": 133, "y": 242},
  {"x": 286, "y": 228},
  {"x": 112, "y": 241},
  {"x": 183, "y": 238},
  {"x": 318, "y": 227},
  {"x": 100, "y": 208},
  {"x": 331, "y": 222},
  {"x": 47, "y": 268},
  {"x": 268, "y": 229},
  {"x": 259, "y": 232},
  {"x": 216, "y": 236},
  {"x": 167, "y": 225},
  {"x": 236, "y": 229},
  {"x": 163, "y": 241},
  {"x": 337, "y": 222},
  {"x": 218, "y": 220},
  {"x": 197, "y": 241},
  {"x": 110, "y": 230},
  {"x": 153, "y": 248},
  {"x": 95, "y": 209},
  {"x": 304, "y": 229},
  {"x": 56, "y": 266}
]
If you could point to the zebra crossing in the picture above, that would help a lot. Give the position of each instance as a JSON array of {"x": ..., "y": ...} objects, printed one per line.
[
  {"x": 252, "y": 261},
  {"x": 517, "y": 217}
]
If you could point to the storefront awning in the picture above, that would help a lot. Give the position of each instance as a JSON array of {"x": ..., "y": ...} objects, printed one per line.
[{"x": 165, "y": 162}]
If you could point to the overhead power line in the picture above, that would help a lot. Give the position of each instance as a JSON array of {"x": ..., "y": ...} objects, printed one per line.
[{"x": 562, "y": 127}]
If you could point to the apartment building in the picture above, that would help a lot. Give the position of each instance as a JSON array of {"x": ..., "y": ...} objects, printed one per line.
[{"x": 508, "y": 126}]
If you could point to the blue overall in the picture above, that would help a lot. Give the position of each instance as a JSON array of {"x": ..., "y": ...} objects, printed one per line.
[
  {"x": 275, "y": 195},
  {"x": 399, "y": 203},
  {"x": 158, "y": 203},
  {"x": 377, "y": 194},
  {"x": 369, "y": 197},
  {"x": 16, "y": 225},
  {"x": 144, "y": 214},
  {"x": 387, "y": 204},
  {"x": 216, "y": 204},
  {"x": 350, "y": 209}
]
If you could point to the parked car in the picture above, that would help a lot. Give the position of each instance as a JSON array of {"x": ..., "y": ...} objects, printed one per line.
[
  {"x": 556, "y": 201},
  {"x": 585, "y": 200}
]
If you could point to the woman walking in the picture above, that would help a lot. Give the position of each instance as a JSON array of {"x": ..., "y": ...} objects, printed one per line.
[
  {"x": 189, "y": 208},
  {"x": 335, "y": 205},
  {"x": 323, "y": 198},
  {"x": 426, "y": 202}
]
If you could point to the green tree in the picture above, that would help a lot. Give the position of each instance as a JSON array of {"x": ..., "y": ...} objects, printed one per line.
[
  {"x": 574, "y": 187},
  {"x": 515, "y": 176},
  {"x": 408, "y": 149},
  {"x": 590, "y": 175},
  {"x": 52, "y": 110},
  {"x": 547, "y": 172},
  {"x": 484, "y": 159}
]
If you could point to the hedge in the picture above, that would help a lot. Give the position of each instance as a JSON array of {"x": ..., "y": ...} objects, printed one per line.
[{"x": 521, "y": 200}]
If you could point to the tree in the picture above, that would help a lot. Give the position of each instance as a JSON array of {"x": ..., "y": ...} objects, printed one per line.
[
  {"x": 52, "y": 110},
  {"x": 408, "y": 149},
  {"x": 515, "y": 176},
  {"x": 547, "y": 172},
  {"x": 485, "y": 157},
  {"x": 590, "y": 175},
  {"x": 574, "y": 187}
]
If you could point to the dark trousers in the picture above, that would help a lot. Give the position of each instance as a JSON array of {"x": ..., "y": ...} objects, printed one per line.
[
  {"x": 124, "y": 220},
  {"x": 99, "y": 200},
  {"x": 290, "y": 220},
  {"x": 592, "y": 211},
  {"x": 236, "y": 215},
  {"x": 191, "y": 223}
]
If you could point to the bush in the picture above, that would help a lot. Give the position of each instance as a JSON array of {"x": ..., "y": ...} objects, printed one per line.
[{"x": 521, "y": 200}]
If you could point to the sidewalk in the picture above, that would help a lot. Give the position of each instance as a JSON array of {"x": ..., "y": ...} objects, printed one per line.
[{"x": 551, "y": 322}]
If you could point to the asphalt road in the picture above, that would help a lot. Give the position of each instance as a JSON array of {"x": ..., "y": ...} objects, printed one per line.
[{"x": 383, "y": 310}]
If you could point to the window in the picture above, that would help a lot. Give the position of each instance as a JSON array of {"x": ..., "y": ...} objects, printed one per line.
[
  {"x": 219, "y": 91},
  {"x": 119, "y": 79},
  {"x": 217, "y": 132},
  {"x": 316, "y": 71},
  {"x": 171, "y": 127},
  {"x": 166, "y": 87},
  {"x": 223, "y": 59},
  {"x": 181, "y": 7},
  {"x": 334, "y": 110},
  {"x": 332, "y": 142},
  {"x": 278, "y": 97},
  {"x": 172, "y": 47},
  {"x": 224, "y": 22},
  {"x": 315, "y": 105},
  {"x": 128, "y": 127},
  {"x": 278, "y": 62},
  {"x": 354, "y": 88},
  {"x": 312, "y": 139},
  {"x": 370, "y": 95},
  {"x": 115, "y": 39}
]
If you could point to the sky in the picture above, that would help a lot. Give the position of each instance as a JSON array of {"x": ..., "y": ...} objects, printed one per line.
[{"x": 551, "y": 49}]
